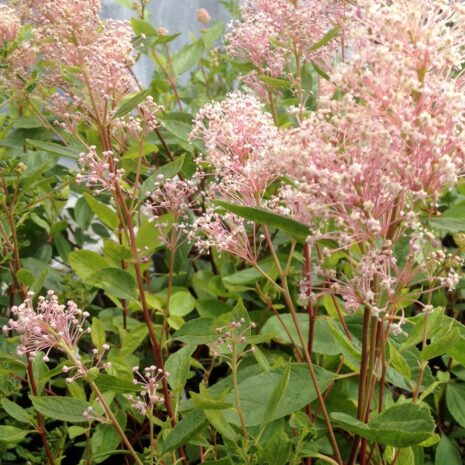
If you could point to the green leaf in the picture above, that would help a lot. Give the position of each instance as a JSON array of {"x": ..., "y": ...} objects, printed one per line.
[
  {"x": 326, "y": 38},
  {"x": 440, "y": 345},
  {"x": 187, "y": 57},
  {"x": 324, "y": 341},
  {"x": 85, "y": 263},
  {"x": 218, "y": 421},
  {"x": 181, "y": 304},
  {"x": 116, "y": 282},
  {"x": 178, "y": 365},
  {"x": 75, "y": 431},
  {"x": 82, "y": 213},
  {"x": 249, "y": 275},
  {"x": 55, "y": 149},
  {"x": 277, "y": 450},
  {"x": 261, "y": 359},
  {"x": 185, "y": 430},
  {"x": 103, "y": 212},
  {"x": 320, "y": 71},
  {"x": 148, "y": 235},
  {"x": 402, "y": 425},
  {"x": 455, "y": 400},
  {"x": 25, "y": 277},
  {"x": 116, "y": 251},
  {"x": 61, "y": 408},
  {"x": 179, "y": 129},
  {"x": 276, "y": 397},
  {"x": 106, "y": 439},
  {"x": 207, "y": 403},
  {"x": 256, "y": 391},
  {"x": 274, "y": 82},
  {"x": 445, "y": 224},
  {"x": 168, "y": 171},
  {"x": 196, "y": 332},
  {"x": 415, "y": 334},
  {"x": 11, "y": 435},
  {"x": 447, "y": 453},
  {"x": 134, "y": 339},
  {"x": 209, "y": 308},
  {"x": 16, "y": 411},
  {"x": 212, "y": 34},
  {"x": 292, "y": 228},
  {"x": 129, "y": 103},
  {"x": 108, "y": 383},
  {"x": 143, "y": 27},
  {"x": 97, "y": 333},
  {"x": 398, "y": 362}
]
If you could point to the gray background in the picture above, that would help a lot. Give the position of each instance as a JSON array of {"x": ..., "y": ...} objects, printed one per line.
[{"x": 174, "y": 15}]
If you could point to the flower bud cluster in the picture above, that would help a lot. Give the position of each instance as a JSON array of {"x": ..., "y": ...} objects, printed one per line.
[
  {"x": 150, "y": 381},
  {"x": 49, "y": 326},
  {"x": 230, "y": 336}
]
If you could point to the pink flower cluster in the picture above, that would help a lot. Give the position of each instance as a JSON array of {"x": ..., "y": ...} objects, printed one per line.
[
  {"x": 99, "y": 170},
  {"x": 239, "y": 139},
  {"x": 386, "y": 140},
  {"x": 272, "y": 33},
  {"x": 86, "y": 57},
  {"x": 150, "y": 381},
  {"x": 393, "y": 141},
  {"x": 10, "y": 24},
  {"x": 50, "y": 326}
]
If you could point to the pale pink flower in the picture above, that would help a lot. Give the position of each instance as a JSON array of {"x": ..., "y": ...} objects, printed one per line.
[
  {"x": 70, "y": 35},
  {"x": 272, "y": 33},
  {"x": 226, "y": 233},
  {"x": 174, "y": 196},
  {"x": 99, "y": 170},
  {"x": 10, "y": 24},
  {"x": 48, "y": 326},
  {"x": 241, "y": 141},
  {"x": 170, "y": 195},
  {"x": 150, "y": 381},
  {"x": 233, "y": 334}
]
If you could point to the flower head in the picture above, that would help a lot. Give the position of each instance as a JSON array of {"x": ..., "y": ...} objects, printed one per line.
[
  {"x": 149, "y": 396},
  {"x": 10, "y": 24},
  {"x": 203, "y": 16},
  {"x": 49, "y": 326}
]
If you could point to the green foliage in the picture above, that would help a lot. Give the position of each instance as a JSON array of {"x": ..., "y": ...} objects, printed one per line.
[{"x": 304, "y": 367}]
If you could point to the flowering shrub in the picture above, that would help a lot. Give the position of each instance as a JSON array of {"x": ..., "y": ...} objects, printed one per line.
[{"x": 260, "y": 264}]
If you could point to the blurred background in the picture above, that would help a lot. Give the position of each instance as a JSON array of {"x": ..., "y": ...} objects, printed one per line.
[{"x": 174, "y": 15}]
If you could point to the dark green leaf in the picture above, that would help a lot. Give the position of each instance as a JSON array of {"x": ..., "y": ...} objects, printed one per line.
[
  {"x": 61, "y": 408},
  {"x": 11, "y": 435},
  {"x": 401, "y": 425},
  {"x": 168, "y": 171},
  {"x": 447, "y": 452},
  {"x": 327, "y": 37},
  {"x": 108, "y": 383},
  {"x": 197, "y": 331},
  {"x": 455, "y": 400},
  {"x": 178, "y": 365},
  {"x": 16, "y": 411},
  {"x": 292, "y": 228},
  {"x": 116, "y": 282},
  {"x": 187, "y": 57},
  {"x": 54, "y": 148},
  {"x": 129, "y": 103},
  {"x": 185, "y": 430},
  {"x": 276, "y": 397},
  {"x": 103, "y": 212}
]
